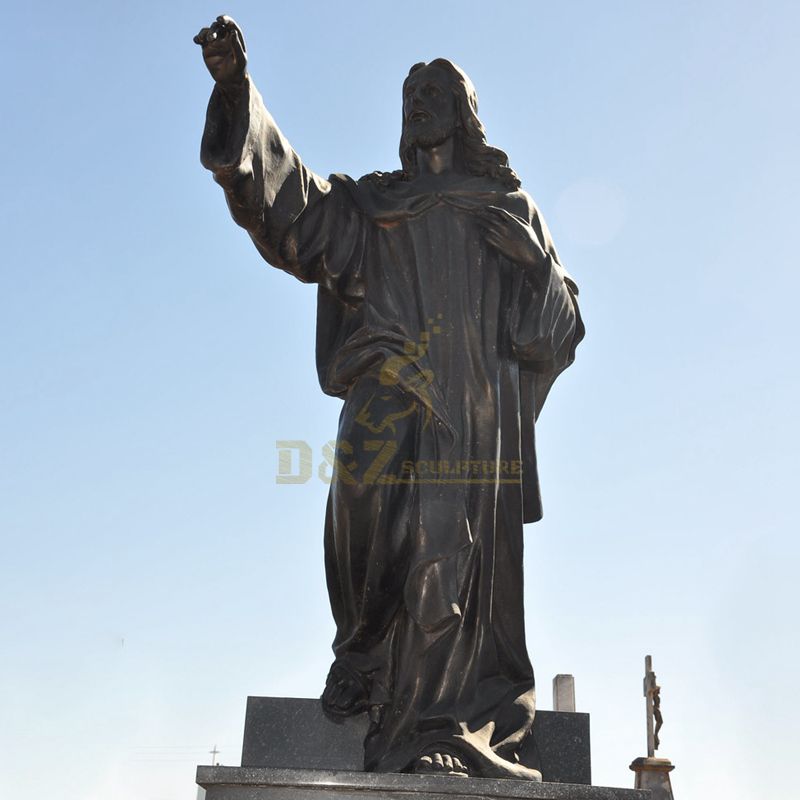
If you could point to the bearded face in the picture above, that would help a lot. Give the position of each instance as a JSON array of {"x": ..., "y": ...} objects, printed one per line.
[{"x": 430, "y": 112}]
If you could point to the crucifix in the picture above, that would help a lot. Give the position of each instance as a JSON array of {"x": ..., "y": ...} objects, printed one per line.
[
  {"x": 653, "y": 773},
  {"x": 214, "y": 753},
  {"x": 652, "y": 693}
]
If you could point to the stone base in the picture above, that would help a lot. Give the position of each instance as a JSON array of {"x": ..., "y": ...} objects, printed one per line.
[
  {"x": 653, "y": 774},
  {"x": 250, "y": 783},
  {"x": 294, "y": 733}
]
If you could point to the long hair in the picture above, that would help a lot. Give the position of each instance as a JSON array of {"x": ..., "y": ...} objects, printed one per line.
[{"x": 480, "y": 158}]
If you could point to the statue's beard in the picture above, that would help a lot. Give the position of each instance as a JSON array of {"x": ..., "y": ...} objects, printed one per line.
[{"x": 431, "y": 135}]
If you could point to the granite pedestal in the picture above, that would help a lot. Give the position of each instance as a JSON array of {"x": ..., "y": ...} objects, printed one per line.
[
  {"x": 292, "y": 751},
  {"x": 254, "y": 783}
]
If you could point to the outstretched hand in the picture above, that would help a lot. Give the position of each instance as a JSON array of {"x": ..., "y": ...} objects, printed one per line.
[
  {"x": 223, "y": 50},
  {"x": 515, "y": 240}
]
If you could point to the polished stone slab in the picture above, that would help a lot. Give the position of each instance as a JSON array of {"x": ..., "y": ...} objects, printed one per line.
[
  {"x": 259, "y": 783},
  {"x": 283, "y": 732}
]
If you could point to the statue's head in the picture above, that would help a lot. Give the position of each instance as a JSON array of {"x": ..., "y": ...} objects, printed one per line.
[{"x": 439, "y": 101}]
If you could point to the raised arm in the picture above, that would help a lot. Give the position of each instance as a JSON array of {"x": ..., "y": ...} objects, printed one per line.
[{"x": 298, "y": 221}]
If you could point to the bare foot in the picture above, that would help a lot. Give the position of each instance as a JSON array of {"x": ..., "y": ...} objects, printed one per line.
[
  {"x": 441, "y": 763},
  {"x": 345, "y": 693}
]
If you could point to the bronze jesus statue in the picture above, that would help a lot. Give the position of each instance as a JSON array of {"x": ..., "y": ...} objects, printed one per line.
[{"x": 444, "y": 316}]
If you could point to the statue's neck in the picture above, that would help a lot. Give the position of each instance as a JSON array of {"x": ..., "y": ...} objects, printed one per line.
[{"x": 439, "y": 160}]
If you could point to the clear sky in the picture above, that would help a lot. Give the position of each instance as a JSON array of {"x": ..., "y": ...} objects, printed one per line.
[{"x": 153, "y": 572}]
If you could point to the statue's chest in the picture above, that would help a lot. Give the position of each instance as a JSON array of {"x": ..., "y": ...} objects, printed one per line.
[{"x": 435, "y": 267}]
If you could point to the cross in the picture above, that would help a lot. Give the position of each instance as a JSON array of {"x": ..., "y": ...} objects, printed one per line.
[
  {"x": 214, "y": 754},
  {"x": 652, "y": 693}
]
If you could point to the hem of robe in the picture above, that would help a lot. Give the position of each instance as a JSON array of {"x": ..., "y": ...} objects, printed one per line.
[{"x": 472, "y": 747}]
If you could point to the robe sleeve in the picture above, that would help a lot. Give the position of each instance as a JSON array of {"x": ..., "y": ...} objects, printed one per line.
[
  {"x": 546, "y": 324},
  {"x": 546, "y": 327},
  {"x": 298, "y": 221}
]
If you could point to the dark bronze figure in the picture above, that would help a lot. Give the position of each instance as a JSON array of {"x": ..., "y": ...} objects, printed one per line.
[
  {"x": 657, "y": 716},
  {"x": 444, "y": 316}
]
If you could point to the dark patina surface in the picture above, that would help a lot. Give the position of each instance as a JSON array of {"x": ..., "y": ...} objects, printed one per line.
[{"x": 444, "y": 316}]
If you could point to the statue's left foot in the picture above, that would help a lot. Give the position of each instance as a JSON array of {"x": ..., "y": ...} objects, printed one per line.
[
  {"x": 345, "y": 692},
  {"x": 441, "y": 763}
]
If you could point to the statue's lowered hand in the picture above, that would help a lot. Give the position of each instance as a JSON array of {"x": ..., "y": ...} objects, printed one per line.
[{"x": 224, "y": 50}]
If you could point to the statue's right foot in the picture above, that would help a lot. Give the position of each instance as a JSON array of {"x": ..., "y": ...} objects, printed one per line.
[
  {"x": 345, "y": 692},
  {"x": 441, "y": 763}
]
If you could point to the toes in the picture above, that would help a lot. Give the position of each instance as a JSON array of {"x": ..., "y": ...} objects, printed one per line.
[{"x": 442, "y": 763}]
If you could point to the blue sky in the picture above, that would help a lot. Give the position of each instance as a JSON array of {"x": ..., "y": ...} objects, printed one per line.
[{"x": 154, "y": 574}]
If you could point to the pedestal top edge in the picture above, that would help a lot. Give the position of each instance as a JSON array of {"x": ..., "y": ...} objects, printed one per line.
[{"x": 208, "y": 776}]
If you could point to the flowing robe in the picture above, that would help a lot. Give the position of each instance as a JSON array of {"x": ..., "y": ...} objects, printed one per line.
[{"x": 443, "y": 351}]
